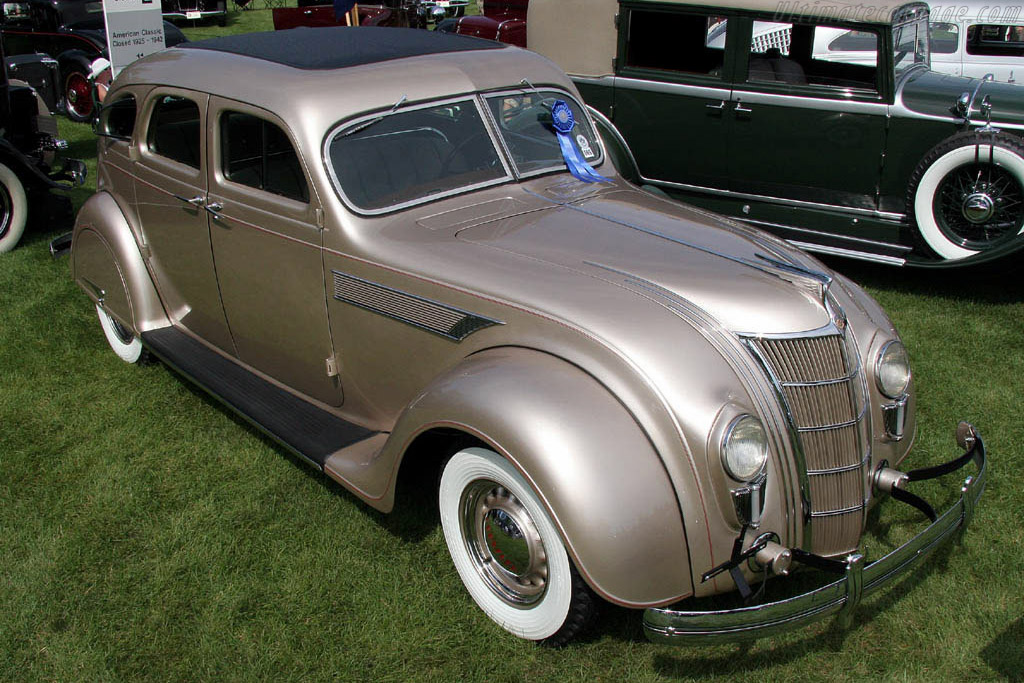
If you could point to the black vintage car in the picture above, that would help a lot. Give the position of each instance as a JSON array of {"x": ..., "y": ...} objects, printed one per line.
[
  {"x": 28, "y": 154},
  {"x": 72, "y": 32}
]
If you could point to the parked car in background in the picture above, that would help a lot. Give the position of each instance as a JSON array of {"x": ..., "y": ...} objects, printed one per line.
[
  {"x": 72, "y": 32},
  {"x": 29, "y": 156},
  {"x": 501, "y": 20},
  {"x": 967, "y": 39},
  {"x": 196, "y": 10},
  {"x": 884, "y": 160},
  {"x": 317, "y": 13},
  {"x": 617, "y": 396}
]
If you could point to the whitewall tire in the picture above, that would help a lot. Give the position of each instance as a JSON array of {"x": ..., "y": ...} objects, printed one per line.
[
  {"x": 13, "y": 209},
  {"x": 507, "y": 551},
  {"x": 122, "y": 340},
  {"x": 969, "y": 194}
]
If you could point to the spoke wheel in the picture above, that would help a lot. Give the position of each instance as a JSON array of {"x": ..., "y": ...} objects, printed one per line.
[
  {"x": 978, "y": 206},
  {"x": 967, "y": 195}
]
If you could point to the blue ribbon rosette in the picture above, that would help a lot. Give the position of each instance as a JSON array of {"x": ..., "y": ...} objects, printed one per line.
[{"x": 563, "y": 122}]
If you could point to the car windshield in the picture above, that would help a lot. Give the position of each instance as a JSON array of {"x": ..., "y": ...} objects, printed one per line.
[
  {"x": 415, "y": 154},
  {"x": 412, "y": 155},
  {"x": 524, "y": 121},
  {"x": 910, "y": 44}
]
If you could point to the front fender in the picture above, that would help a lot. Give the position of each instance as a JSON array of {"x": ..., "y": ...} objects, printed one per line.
[
  {"x": 107, "y": 264},
  {"x": 585, "y": 456}
]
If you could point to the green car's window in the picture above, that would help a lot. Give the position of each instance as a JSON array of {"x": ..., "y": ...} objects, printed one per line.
[
  {"x": 823, "y": 57},
  {"x": 257, "y": 153},
  {"x": 995, "y": 40},
  {"x": 524, "y": 121},
  {"x": 910, "y": 45},
  {"x": 117, "y": 119},
  {"x": 674, "y": 41},
  {"x": 174, "y": 130},
  {"x": 413, "y": 155}
]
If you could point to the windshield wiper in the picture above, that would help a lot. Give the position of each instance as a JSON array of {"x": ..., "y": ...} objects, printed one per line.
[{"x": 366, "y": 124}]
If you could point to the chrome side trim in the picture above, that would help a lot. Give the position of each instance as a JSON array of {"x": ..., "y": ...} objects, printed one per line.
[
  {"x": 441, "y": 319},
  {"x": 838, "y": 105},
  {"x": 680, "y": 627},
  {"x": 723, "y": 92},
  {"x": 836, "y": 513},
  {"x": 849, "y": 253},
  {"x": 873, "y": 213}
]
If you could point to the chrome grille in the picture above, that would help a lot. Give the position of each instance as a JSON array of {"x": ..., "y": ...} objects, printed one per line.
[{"x": 819, "y": 378}]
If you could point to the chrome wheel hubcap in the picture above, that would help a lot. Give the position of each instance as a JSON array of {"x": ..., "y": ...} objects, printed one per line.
[
  {"x": 504, "y": 543},
  {"x": 978, "y": 207}
]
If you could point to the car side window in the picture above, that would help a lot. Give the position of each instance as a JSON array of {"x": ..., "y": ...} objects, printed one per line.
[
  {"x": 673, "y": 41},
  {"x": 257, "y": 153},
  {"x": 117, "y": 119},
  {"x": 812, "y": 55},
  {"x": 995, "y": 40},
  {"x": 174, "y": 130}
]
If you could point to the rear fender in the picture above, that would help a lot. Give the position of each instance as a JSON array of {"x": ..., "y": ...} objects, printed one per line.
[
  {"x": 107, "y": 264},
  {"x": 585, "y": 456}
]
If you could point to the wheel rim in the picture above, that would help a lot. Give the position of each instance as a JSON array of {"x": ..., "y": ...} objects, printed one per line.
[
  {"x": 504, "y": 544},
  {"x": 978, "y": 206},
  {"x": 5, "y": 210},
  {"x": 78, "y": 94}
]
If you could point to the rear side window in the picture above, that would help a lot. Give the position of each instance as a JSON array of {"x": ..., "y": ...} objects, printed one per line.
[
  {"x": 671, "y": 41},
  {"x": 257, "y": 153},
  {"x": 117, "y": 119},
  {"x": 995, "y": 40},
  {"x": 174, "y": 130}
]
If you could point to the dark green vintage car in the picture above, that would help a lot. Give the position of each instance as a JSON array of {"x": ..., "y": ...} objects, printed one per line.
[{"x": 750, "y": 109}]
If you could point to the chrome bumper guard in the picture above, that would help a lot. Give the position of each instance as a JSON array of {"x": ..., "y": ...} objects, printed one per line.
[{"x": 664, "y": 625}]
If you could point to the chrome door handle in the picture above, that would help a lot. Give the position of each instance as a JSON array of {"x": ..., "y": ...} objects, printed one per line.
[
  {"x": 195, "y": 201},
  {"x": 213, "y": 208},
  {"x": 717, "y": 107},
  {"x": 740, "y": 109}
]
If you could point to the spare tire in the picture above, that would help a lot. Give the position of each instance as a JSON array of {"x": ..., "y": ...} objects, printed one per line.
[{"x": 967, "y": 194}]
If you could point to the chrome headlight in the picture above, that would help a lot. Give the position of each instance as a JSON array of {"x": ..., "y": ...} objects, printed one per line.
[
  {"x": 744, "y": 448},
  {"x": 892, "y": 369}
]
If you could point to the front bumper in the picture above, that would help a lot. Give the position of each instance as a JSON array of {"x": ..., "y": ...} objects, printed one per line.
[{"x": 677, "y": 627}]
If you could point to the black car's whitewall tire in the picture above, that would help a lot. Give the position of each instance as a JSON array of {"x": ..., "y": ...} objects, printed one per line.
[
  {"x": 507, "y": 550},
  {"x": 122, "y": 340},
  {"x": 13, "y": 209},
  {"x": 968, "y": 194}
]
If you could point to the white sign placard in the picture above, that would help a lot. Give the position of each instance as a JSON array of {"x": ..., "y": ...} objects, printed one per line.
[{"x": 135, "y": 28}]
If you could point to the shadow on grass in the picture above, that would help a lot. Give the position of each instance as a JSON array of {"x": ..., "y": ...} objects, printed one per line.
[
  {"x": 1005, "y": 654},
  {"x": 987, "y": 283},
  {"x": 415, "y": 514}
]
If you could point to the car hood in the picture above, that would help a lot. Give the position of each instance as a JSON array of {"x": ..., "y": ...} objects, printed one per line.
[
  {"x": 935, "y": 94},
  {"x": 748, "y": 282}
]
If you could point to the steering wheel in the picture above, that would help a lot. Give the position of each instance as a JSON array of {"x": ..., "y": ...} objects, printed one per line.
[{"x": 457, "y": 151}]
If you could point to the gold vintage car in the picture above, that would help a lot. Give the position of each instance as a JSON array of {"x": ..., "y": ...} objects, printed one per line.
[{"x": 388, "y": 246}]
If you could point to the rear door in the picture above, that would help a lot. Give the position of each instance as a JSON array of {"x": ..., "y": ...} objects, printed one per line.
[
  {"x": 267, "y": 247},
  {"x": 170, "y": 191},
  {"x": 671, "y": 92}
]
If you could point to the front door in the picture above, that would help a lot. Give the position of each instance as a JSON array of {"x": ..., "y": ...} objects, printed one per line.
[
  {"x": 806, "y": 127},
  {"x": 267, "y": 247},
  {"x": 170, "y": 192}
]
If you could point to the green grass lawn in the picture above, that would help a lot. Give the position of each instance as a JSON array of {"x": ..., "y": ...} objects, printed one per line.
[{"x": 147, "y": 534}]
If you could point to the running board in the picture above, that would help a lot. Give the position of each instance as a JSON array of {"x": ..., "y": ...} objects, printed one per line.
[{"x": 308, "y": 431}]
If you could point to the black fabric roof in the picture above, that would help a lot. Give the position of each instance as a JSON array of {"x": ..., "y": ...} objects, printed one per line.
[{"x": 339, "y": 47}]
